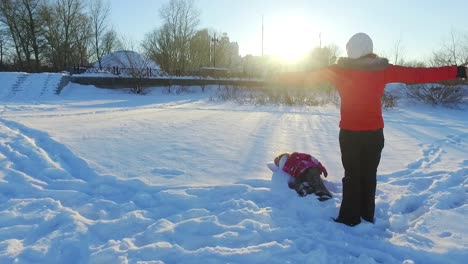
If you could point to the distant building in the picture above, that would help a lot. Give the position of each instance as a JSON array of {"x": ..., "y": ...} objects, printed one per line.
[{"x": 234, "y": 49}]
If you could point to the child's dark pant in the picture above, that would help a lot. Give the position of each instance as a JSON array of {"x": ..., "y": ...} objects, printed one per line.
[
  {"x": 360, "y": 155},
  {"x": 310, "y": 182}
]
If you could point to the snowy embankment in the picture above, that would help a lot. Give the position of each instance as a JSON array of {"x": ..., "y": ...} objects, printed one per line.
[
  {"x": 100, "y": 176},
  {"x": 29, "y": 87}
]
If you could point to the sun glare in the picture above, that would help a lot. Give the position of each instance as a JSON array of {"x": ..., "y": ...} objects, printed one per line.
[{"x": 289, "y": 37}]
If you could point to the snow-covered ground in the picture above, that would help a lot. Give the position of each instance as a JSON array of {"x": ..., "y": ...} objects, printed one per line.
[{"x": 104, "y": 176}]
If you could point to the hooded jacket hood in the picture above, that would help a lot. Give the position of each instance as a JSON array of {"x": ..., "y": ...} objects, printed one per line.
[
  {"x": 370, "y": 62},
  {"x": 359, "y": 45}
]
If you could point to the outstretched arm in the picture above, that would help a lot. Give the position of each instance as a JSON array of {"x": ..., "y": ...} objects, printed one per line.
[
  {"x": 420, "y": 75},
  {"x": 423, "y": 75},
  {"x": 326, "y": 74}
]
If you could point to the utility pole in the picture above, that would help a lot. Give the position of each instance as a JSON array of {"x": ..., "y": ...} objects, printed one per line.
[
  {"x": 320, "y": 39},
  {"x": 262, "y": 35},
  {"x": 214, "y": 39}
]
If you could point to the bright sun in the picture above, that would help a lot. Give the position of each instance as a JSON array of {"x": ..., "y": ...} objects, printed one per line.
[{"x": 289, "y": 37}]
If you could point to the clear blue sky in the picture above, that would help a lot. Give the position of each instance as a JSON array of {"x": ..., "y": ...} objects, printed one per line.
[{"x": 294, "y": 25}]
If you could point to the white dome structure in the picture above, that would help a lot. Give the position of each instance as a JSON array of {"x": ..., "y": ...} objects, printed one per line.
[{"x": 126, "y": 59}]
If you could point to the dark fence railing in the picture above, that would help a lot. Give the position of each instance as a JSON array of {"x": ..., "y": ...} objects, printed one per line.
[
  {"x": 213, "y": 73},
  {"x": 151, "y": 72},
  {"x": 126, "y": 82},
  {"x": 121, "y": 71}
]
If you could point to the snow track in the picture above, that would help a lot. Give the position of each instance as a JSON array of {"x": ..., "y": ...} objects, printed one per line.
[
  {"x": 54, "y": 207},
  {"x": 428, "y": 195},
  {"x": 99, "y": 176}
]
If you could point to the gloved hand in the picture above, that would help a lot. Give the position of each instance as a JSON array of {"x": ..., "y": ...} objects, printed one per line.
[
  {"x": 462, "y": 71},
  {"x": 323, "y": 170}
]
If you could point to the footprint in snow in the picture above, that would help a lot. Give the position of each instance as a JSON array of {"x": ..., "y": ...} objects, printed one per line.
[
  {"x": 455, "y": 139},
  {"x": 166, "y": 172},
  {"x": 445, "y": 234}
]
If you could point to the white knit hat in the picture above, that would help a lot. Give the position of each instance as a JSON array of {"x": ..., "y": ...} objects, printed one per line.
[{"x": 359, "y": 45}]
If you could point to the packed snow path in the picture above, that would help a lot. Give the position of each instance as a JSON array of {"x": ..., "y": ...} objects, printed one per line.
[{"x": 63, "y": 199}]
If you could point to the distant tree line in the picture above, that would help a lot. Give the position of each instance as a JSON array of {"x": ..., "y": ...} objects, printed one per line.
[
  {"x": 179, "y": 46},
  {"x": 54, "y": 34}
]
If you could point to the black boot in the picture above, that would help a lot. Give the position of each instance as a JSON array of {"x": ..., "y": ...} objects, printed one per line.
[{"x": 355, "y": 223}]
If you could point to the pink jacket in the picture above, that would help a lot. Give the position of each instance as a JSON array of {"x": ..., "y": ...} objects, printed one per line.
[{"x": 297, "y": 163}]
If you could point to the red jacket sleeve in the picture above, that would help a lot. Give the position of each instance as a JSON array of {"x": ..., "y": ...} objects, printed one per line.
[{"x": 419, "y": 75}]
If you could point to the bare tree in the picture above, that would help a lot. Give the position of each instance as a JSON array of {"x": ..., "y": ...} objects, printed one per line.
[
  {"x": 81, "y": 40},
  {"x": 454, "y": 50},
  {"x": 67, "y": 32},
  {"x": 200, "y": 49},
  {"x": 134, "y": 64},
  {"x": 26, "y": 28},
  {"x": 99, "y": 12},
  {"x": 415, "y": 64},
  {"x": 110, "y": 42},
  {"x": 34, "y": 27},
  {"x": 223, "y": 48},
  {"x": 398, "y": 52},
  {"x": 323, "y": 56},
  {"x": 70, "y": 13},
  {"x": 181, "y": 19},
  {"x": 3, "y": 41},
  {"x": 158, "y": 45}
]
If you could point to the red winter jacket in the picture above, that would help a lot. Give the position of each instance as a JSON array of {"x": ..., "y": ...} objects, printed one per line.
[
  {"x": 361, "y": 83},
  {"x": 297, "y": 163}
]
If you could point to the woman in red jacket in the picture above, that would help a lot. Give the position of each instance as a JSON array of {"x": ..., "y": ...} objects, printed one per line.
[{"x": 360, "y": 79}]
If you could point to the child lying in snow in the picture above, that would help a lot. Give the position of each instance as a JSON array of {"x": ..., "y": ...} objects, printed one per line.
[{"x": 305, "y": 173}]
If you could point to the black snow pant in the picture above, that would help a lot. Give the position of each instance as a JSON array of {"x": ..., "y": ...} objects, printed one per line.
[
  {"x": 360, "y": 155},
  {"x": 310, "y": 182}
]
